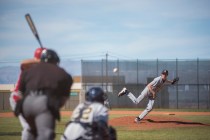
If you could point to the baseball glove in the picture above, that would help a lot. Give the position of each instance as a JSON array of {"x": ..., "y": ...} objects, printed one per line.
[
  {"x": 175, "y": 80},
  {"x": 112, "y": 133}
]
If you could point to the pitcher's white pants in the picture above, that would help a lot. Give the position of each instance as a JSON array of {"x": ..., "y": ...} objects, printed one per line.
[{"x": 144, "y": 93}]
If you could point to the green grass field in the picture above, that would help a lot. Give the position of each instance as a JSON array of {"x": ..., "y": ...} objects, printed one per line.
[{"x": 10, "y": 129}]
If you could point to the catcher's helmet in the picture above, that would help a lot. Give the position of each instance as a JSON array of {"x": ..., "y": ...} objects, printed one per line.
[
  {"x": 165, "y": 72},
  {"x": 49, "y": 56},
  {"x": 95, "y": 94},
  {"x": 38, "y": 52}
]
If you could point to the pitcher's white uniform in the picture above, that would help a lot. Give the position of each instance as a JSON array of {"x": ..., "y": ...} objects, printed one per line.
[
  {"x": 84, "y": 118},
  {"x": 157, "y": 84},
  {"x": 149, "y": 91}
]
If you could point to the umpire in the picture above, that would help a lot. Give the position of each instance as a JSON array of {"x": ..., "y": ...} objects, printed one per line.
[{"x": 45, "y": 89}]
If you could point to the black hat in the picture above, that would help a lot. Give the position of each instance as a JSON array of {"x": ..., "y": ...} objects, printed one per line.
[{"x": 165, "y": 72}]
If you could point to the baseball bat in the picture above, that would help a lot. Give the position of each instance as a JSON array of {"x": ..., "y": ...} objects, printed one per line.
[{"x": 33, "y": 28}]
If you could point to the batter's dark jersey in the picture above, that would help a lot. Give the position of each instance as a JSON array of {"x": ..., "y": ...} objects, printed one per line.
[{"x": 46, "y": 77}]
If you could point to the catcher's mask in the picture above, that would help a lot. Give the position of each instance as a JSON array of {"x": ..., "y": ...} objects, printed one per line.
[
  {"x": 165, "y": 72},
  {"x": 50, "y": 56},
  {"x": 95, "y": 94}
]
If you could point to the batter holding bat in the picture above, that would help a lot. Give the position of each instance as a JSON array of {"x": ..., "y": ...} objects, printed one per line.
[
  {"x": 149, "y": 91},
  {"x": 17, "y": 95},
  {"x": 45, "y": 89}
]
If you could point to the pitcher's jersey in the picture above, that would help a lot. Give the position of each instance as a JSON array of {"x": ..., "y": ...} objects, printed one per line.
[
  {"x": 82, "y": 119},
  {"x": 158, "y": 83}
]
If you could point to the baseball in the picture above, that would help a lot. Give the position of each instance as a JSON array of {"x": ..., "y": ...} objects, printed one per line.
[{"x": 115, "y": 70}]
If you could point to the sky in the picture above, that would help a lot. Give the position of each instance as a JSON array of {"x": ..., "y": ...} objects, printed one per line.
[{"x": 123, "y": 29}]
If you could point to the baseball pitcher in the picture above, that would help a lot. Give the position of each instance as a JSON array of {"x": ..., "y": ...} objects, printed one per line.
[{"x": 149, "y": 91}]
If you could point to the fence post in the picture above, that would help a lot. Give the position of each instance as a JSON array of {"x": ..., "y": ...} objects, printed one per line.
[
  {"x": 82, "y": 96},
  {"x": 106, "y": 72},
  {"x": 198, "y": 81},
  {"x": 102, "y": 74},
  {"x": 177, "y": 95},
  {"x": 118, "y": 79},
  {"x": 137, "y": 61},
  {"x": 209, "y": 97},
  {"x": 160, "y": 95}
]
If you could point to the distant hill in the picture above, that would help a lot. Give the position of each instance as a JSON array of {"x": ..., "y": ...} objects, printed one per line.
[
  {"x": 72, "y": 67},
  {"x": 9, "y": 74}
]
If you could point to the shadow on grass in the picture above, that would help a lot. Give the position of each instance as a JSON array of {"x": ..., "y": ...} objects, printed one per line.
[
  {"x": 10, "y": 133},
  {"x": 178, "y": 122}
]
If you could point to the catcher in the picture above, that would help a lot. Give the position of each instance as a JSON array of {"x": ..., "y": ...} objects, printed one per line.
[
  {"x": 89, "y": 120},
  {"x": 149, "y": 91}
]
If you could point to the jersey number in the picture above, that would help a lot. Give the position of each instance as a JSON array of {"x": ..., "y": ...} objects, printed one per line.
[{"x": 82, "y": 113}]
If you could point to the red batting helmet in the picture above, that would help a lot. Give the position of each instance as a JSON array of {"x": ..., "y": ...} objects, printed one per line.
[{"x": 38, "y": 52}]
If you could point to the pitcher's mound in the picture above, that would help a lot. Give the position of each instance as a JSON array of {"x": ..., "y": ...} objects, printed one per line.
[{"x": 153, "y": 122}]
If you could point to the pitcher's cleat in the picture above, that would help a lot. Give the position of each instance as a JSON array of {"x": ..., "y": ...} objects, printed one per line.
[
  {"x": 137, "y": 120},
  {"x": 123, "y": 92}
]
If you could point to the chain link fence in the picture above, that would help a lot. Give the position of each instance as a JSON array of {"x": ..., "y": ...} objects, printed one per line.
[{"x": 192, "y": 91}]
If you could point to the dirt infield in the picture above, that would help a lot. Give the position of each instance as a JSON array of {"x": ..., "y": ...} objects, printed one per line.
[{"x": 155, "y": 120}]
